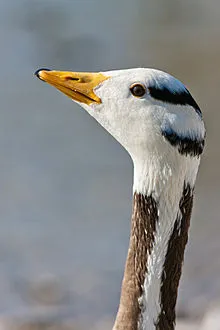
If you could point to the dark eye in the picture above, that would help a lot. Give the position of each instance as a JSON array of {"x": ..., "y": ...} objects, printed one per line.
[{"x": 138, "y": 90}]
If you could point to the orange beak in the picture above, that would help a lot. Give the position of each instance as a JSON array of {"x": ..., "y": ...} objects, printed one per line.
[{"x": 79, "y": 86}]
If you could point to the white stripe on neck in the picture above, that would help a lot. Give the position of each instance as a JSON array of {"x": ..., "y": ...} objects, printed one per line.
[{"x": 164, "y": 181}]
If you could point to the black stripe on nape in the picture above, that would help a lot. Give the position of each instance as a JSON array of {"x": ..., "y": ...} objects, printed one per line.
[
  {"x": 172, "y": 267},
  {"x": 186, "y": 146},
  {"x": 182, "y": 97}
]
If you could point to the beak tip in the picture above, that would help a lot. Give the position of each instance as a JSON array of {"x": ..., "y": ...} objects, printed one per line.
[{"x": 37, "y": 73}]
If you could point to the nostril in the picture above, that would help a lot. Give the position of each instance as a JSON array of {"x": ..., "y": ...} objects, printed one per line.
[{"x": 72, "y": 78}]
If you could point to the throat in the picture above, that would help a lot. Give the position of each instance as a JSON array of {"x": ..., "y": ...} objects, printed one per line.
[{"x": 159, "y": 232}]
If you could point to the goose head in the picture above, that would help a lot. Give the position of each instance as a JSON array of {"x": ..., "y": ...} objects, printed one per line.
[
  {"x": 149, "y": 112},
  {"x": 146, "y": 110}
]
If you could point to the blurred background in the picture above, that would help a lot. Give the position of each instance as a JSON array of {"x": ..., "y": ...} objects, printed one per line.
[{"x": 65, "y": 184}]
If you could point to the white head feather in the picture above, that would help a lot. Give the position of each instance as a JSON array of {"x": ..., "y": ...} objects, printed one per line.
[{"x": 138, "y": 123}]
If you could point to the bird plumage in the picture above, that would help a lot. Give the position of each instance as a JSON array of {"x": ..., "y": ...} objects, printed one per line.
[{"x": 155, "y": 118}]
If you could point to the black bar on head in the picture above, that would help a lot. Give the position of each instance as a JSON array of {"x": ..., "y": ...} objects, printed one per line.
[{"x": 175, "y": 97}]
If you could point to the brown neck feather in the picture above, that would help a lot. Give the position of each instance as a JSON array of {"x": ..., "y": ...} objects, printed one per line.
[
  {"x": 173, "y": 263},
  {"x": 143, "y": 225},
  {"x": 143, "y": 230}
]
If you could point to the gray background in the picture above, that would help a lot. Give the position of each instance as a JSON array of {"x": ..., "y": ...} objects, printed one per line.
[{"x": 65, "y": 184}]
